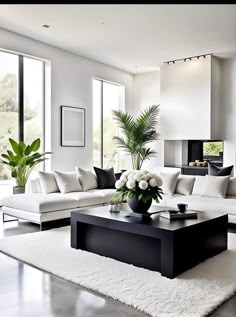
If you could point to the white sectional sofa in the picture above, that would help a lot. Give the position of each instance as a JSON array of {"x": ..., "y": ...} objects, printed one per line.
[
  {"x": 39, "y": 208},
  {"x": 197, "y": 200}
]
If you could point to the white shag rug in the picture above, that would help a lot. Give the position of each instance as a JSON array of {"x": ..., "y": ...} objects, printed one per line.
[{"x": 194, "y": 293}]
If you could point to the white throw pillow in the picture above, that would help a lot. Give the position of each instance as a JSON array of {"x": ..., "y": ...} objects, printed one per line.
[
  {"x": 198, "y": 185},
  {"x": 215, "y": 186},
  {"x": 169, "y": 182},
  {"x": 48, "y": 182},
  {"x": 231, "y": 189},
  {"x": 67, "y": 182},
  {"x": 184, "y": 185},
  {"x": 87, "y": 179}
]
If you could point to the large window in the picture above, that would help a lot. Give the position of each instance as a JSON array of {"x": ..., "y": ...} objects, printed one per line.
[
  {"x": 213, "y": 150},
  {"x": 106, "y": 97},
  {"x": 21, "y": 101}
]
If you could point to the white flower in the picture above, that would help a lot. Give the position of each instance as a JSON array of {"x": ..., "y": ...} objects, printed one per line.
[
  {"x": 153, "y": 182},
  {"x": 159, "y": 181},
  {"x": 146, "y": 177},
  {"x": 137, "y": 177},
  {"x": 119, "y": 183},
  {"x": 143, "y": 184},
  {"x": 123, "y": 178},
  {"x": 145, "y": 171},
  {"x": 130, "y": 184},
  {"x": 131, "y": 176},
  {"x": 126, "y": 173}
]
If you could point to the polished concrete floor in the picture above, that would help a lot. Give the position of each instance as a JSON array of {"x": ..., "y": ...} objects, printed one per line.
[{"x": 26, "y": 291}]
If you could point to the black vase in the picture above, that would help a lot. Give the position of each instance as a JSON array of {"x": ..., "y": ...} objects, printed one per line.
[{"x": 138, "y": 206}]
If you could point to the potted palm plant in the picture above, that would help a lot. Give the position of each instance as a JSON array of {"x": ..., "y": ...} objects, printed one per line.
[
  {"x": 137, "y": 133},
  {"x": 21, "y": 160}
]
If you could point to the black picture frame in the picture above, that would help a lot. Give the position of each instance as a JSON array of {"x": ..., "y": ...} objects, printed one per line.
[{"x": 69, "y": 128}]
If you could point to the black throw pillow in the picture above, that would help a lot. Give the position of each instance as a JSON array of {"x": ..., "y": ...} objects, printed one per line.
[
  {"x": 105, "y": 177},
  {"x": 219, "y": 171}
]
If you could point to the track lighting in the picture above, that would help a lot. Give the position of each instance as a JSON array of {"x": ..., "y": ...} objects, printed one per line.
[{"x": 188, "y": 58}]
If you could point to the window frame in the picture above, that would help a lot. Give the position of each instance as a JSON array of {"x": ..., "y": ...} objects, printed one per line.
[
  {"x": 102, "y": 81},
  {"x": 21, "y": 91}
]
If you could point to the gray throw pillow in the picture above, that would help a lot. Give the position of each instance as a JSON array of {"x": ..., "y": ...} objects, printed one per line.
[{"x": 219, "y": 171}]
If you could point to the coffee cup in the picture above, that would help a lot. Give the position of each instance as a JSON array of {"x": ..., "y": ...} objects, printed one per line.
[{"x": 182, "y": 207}]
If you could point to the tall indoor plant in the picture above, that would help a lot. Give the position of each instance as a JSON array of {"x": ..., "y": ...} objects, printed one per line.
[
  {"x": 21, "y": 160},
  {"x": 137, "y": 134}
]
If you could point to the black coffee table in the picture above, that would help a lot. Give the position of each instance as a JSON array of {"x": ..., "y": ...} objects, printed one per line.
[{"x": 168, "y": 246}]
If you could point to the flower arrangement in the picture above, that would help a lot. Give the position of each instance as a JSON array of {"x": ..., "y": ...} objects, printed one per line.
[{"x": 139, "y": 184}]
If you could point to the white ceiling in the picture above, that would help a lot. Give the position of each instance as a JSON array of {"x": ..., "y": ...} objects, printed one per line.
[{"x": 135, "y": 38}]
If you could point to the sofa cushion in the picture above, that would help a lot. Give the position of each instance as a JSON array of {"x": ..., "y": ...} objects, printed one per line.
[
  {"x": 88, "y": 179},
  {"x": 214, "y": 170},
  {"x": 169, "y": 182},
  {"x": 107, "y": 193},
  {"x": 67, "y": 182},
  {"x": 215, "y": 186},
  {"x": 39, "y": 202},
  {"x": 224, "y": 205},
  {"x": 84, "y": 199},
  {"x": 184, "y": 185},
  {"x": 165, "y": 199},
  {"x": 231, "y": 189},
  {"x": 198, "y": 185},
  {"x": 47, "y": 182},
  {"x": 105, "y": 177}
]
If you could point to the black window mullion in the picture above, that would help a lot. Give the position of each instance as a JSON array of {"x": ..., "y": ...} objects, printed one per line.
[{"x": 21, "y": 98}]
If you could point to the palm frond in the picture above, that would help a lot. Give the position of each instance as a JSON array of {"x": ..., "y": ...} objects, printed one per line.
[
  {"x": 126, "y": 122},
  {"x": 148, "y": 118},
  {"x": 137, "y": 133}
]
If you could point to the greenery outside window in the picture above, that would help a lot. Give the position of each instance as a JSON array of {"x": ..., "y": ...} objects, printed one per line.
[
  {"x": 106, "y": 97},
  {"x": 21, "y": 102}
]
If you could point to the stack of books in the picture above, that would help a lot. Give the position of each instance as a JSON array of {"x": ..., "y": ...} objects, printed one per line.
[{"x": 174, "y": 214}]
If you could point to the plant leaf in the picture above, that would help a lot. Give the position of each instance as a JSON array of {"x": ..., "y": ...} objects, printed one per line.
[
  {"x": 14, "y": 146},
  {"x": 35, "y": 145}
]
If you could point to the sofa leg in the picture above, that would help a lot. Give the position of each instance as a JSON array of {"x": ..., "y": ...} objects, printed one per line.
[{"x": 3, "y": 219}]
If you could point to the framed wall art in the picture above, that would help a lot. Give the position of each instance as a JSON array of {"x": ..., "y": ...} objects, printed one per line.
[{"x": 72, "y": 126}]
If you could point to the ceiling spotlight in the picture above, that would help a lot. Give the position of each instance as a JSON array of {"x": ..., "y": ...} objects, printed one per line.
[
  {"x": 168, "y": 63},
  {"x": 173, "y": 62},
  {"x": 197, "y": 57},
  {"x": 185, "y": 60},
  {"x": 190, "y": 58},
  {"x": 204, "y": 56},
  {"x": 46, "y": 26}
]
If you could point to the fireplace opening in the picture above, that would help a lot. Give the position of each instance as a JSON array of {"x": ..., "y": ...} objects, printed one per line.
[{"x": 206, "y": 150}]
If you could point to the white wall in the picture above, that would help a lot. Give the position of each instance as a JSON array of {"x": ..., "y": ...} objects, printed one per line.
[
  {"x": 228, "y": 113},
  {"x": 146, "y": 90},
  {"x": 147, "y": 93},
  {"x": 71, "y": 85},
  {"x": 186, "y": 100}
]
